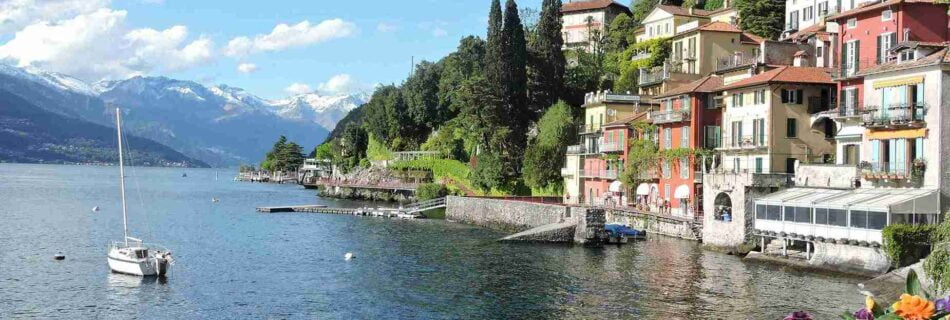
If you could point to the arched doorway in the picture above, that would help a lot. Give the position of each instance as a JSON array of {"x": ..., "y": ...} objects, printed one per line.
[{"x": 722, "y": 207}]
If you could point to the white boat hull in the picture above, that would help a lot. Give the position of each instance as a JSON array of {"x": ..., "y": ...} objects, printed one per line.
[{"x": 138, "y": 267}]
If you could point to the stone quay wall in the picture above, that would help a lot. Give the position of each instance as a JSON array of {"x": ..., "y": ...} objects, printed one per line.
[
  {"x": 367, "y": 194},
  {"x": 849, "y": 258},
  {"x": 667, "y": 226},
  {"x": 519, "y": 216}
]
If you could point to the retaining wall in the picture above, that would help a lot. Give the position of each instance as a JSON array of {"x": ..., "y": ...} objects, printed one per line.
[
  {"x": 518, "y": 216},
  {"x": 653, "y": 224}
]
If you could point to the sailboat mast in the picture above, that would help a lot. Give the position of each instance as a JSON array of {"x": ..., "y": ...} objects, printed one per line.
[{"x": 125, "y": 219}]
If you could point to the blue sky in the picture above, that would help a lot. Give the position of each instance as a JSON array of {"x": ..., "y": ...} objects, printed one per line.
[{"x": 381, "y": 37}]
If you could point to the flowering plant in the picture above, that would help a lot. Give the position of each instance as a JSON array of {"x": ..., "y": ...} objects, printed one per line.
[{"x": 915, "y": 304}]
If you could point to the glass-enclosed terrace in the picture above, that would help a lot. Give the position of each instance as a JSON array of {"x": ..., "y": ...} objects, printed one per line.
[{"x": 858, "y": 214}]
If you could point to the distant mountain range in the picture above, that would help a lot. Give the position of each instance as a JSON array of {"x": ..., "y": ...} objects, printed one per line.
[{"x": 219, "y": 125}]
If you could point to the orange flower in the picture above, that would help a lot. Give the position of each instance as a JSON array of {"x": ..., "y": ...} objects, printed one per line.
[{"x": 913, "y": 308}]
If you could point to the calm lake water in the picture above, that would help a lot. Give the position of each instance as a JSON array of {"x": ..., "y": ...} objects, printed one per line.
[{"x": 232, "y": 262}]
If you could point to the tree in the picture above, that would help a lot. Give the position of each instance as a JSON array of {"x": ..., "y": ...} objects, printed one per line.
[
  {"x": 764, "y": 18},
  {"x": 352, "y": 146},
  {"x": 291, "y": 156},
  {"x": 466, "y": 62},
  {"x": 323, "y": 152},
  {"x": 547, "y": 62},
  {"x": 421, "y": 92},
  {"x": 544, "y": 157},
  {"x": 515, "y": 88}
]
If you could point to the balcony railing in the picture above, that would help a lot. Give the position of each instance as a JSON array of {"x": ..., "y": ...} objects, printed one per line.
[
  {"x": 744, "y": 177},
  {"x": 894, "y": 115},
  {"x": 603, "y": 174},
  {"x": 791, "y": 26},
  {"x": 654, "y": 76},
  {"x": 612, "y": 146},
  {"x": 661, "y": 117},
  {"x": 576, "y": 149},
  {"x": 744, "y": 142},
  {"x": 641, "y": 55},
  {"x": 832, "y": 10},
  {"x": 735, "y": 61},
  {"x": 887, "y": 170},
  {"x": 589, "y": 128},
  {"x": 849, "y": 69}
]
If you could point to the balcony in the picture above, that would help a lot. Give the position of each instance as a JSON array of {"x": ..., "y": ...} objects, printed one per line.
[
  {"x": 577, "y": 149},
  {"x": 613, "y": 146},
  {"x": 567, "y": 172},
  {"x": 607, "y": 96},
  {"x": 825, "y": 12},
  {"x": 850, "y": 69},
  {"x": 735, "y": 62},
  {"x": 641, "y": 55},
  {"x": 585, "y": 129},
  {"x": 743, "y": 142},
  {"x": 844, "y": 110},
  {"x": 661, "y": 117},
  {"x": 791, "y": 26},
  {"x": 654, "y": 76},
  {"x": 600, "y": 174},
  {"x": 887, "y": 171},
  {"x": 895, "y": 115}
]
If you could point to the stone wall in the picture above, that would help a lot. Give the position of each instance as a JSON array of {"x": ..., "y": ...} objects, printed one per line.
[
  {"x": 400, "y": 196},
  {"x": 848, "y": 258},
  {"x": 672, "y": 227},
  {"x": 511, "y": 216},
  {"x": 742, "y": 190},
  {"x": 825, "y": 176}
]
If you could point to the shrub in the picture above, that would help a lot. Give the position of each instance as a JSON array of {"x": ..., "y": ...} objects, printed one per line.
[
  {"x": 907, "y": 244},
  {"x": 430, "y": 191}
]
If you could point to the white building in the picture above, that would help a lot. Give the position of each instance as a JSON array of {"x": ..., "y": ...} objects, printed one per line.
[{"x": 586, "y": 22}]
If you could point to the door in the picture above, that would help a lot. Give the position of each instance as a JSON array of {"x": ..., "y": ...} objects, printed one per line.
[{"x": 790, "y": 165}]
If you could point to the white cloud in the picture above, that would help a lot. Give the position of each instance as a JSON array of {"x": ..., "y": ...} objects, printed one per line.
[
  {"x": 247, "y": 68},
  {"x": 338, "y": 84},
  {"x": 286, "y": 36},
  {"x": 99, "y": 45},
  {"x": 298, "y": 88},
  {"x": 386, "y": 27},
  {"x": 16, "y": 14},
  {"x": 439, "y": 32}
]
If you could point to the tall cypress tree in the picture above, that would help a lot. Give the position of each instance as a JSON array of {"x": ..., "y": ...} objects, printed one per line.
[
  {"x": 494, "y": 72},
  {"x": 547, "y": 62},
  {"x": 515, "y": 87}
]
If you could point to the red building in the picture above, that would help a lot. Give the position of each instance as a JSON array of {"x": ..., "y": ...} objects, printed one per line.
[
  {"x": 689, "y": 119},
  {"x": 868, "y": 32}
]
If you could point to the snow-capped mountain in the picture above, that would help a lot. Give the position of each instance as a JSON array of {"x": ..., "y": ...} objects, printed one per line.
[
  {"x": 221, "y": 125},
  {"x": 326, "y": 111}
]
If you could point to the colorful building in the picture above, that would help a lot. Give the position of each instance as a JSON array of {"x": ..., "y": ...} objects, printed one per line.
[
  {"x": 584, "y": 23},
  {"x": 688, "y": 119}
]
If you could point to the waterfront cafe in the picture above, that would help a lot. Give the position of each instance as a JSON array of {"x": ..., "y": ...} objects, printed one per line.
[{"x": 857, "y": 214}]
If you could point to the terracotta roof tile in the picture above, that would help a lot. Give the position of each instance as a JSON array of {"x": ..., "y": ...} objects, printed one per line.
[
  {"x": 804, "y": 33},
  {"x": 750, "y": 38},
  {"x": 871, "y": 6},
  {"x": 588, "y": 5},
  {"x": 785, "y": 74},
  {"x": 937, "y": 57},
  {"x": 719, "y": 26},
  {"x": 706, "y": 84},
  {"x": 626, "y": 120}
]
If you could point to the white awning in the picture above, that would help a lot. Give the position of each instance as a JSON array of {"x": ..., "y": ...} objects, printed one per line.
[
  {"x": 682, "y": 192},
  {"x": 643, "y": 189},
  {"x": 893, "y": 200},
  {"x": 616, "y": 186}
]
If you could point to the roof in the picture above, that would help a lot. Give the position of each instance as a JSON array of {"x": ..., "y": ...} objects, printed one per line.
[
  {"x": 680, "y": 11},
  {"x": 804, "y": 33},
  {"x": 626, "y": 120},
  {"x": 872, "y": 6},
  {"x": 785, "y": 74},
  {"x": 893, "y": 200},
  {"x": 589, "y": 5},
  {"x": 938, "y": 57},
  {"x": 705, "y": 84},
  {"x": 719, "y": 26}
]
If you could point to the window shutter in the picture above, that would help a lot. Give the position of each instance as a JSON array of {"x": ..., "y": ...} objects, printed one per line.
[
  {"x": 784, "y": 96},
  {"x": 879, "y": 40},
  {"x": 857, "y": 55},
  {"x": 893, "y": 39},
  {"x": 800, "y": 96}
]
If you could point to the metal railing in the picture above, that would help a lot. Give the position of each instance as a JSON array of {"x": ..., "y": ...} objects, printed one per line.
[
  {"x": 744, "y": 142},
  {"x": 612, "y": 146},
  {"x": 791, "y": 26},
  {"x": 653, "y": 76},
  {"x": 888, "y": 170},
  {"x": 577, "y": 149},
  {"x": 605, "y": 174},
  {"x": 894, "y": 114},
  {"x": 590, "y": 128},
  {"x": 735, "y": 61},
  {"x": 660, "y": 117}
]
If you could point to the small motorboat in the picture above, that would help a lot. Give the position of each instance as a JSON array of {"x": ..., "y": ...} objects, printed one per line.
[
  {"x": 184, "y": 175},
  {"x": 618, "y": 233},
  {"x": 95, "y": 209},
  {"x": 215, "y": 200}
]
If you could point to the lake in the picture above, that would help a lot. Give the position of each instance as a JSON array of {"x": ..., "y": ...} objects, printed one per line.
[{"x": 232, "y": 262}]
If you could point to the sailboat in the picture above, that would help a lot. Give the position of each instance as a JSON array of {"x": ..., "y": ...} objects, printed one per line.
[{"x": 131, "y": 255}]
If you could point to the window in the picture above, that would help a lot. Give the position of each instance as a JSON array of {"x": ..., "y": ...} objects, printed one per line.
[
  {"x": 821, "y": 216},
  {"x": 819, "y": 52},
  {"x": 759, "y": 136},
  {"x": 908, "y": 55},
  {"x": 886, "y": 15},
  {"x": 884, "y": 43},
  {"x": 668, "y": 104},
  {"x": 684, "y": 168},
  {"x": 822, "y": 8},
  {"x": 684, "y": 137},
  {"x": 802, "y": 215},
  {"x": 667, "y": 138},
  {"x": 713, "y": 136},
  {"x": 792, "y": 96},
  {"x": 791, "y": 128},
  {"x": 859, "y": 219},
  {"x": 735, "y": 165},
  {"x": 789, "y": 214},
  {"x": 760, "y": 211},
  {"x": 850, "y": 57},
  {"x": 736, "y": 133},
  {"x": 684, "y": 103},
  {"x": 838, "y": 217},
  {"x": 758, "y": 165},
  {"x": 666, "y": 190},
  {"x": 852, "y": 23},
  {"x": 737, "y": 99},
  {"x": 760, "y": 96},
  {"x": 666, "y": 171},
  {"x": 807, "y": 13},
  {"x": 877, "y": 220},
  {"x": 773, "y": 212}
]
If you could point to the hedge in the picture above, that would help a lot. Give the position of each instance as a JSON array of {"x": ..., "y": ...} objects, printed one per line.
[
  {"x": 431, "y": 191},
  {"x": 907, "y": 244}
]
